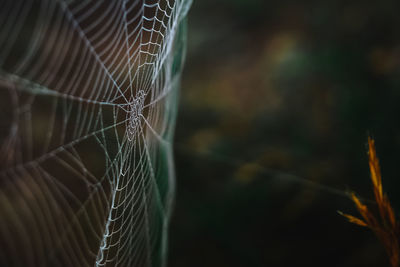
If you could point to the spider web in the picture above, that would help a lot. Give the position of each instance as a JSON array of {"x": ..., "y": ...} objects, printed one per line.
[{"x": 88, "y": 97}]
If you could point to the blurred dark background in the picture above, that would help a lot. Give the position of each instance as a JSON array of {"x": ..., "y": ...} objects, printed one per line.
[{"x": 277, "y": 101}]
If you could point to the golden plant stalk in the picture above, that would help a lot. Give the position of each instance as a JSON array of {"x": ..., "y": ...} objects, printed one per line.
[{"x": 385, "y": 226}]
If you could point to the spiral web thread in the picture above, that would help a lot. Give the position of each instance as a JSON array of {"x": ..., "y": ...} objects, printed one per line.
[{"x": 88, "y": 93}]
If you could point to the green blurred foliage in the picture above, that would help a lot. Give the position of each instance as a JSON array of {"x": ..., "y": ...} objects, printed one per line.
[{"x": 275, "y": 88}]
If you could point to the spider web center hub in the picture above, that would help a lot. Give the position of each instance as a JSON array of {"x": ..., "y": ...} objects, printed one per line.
[{"x": 134, "y": 115}]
